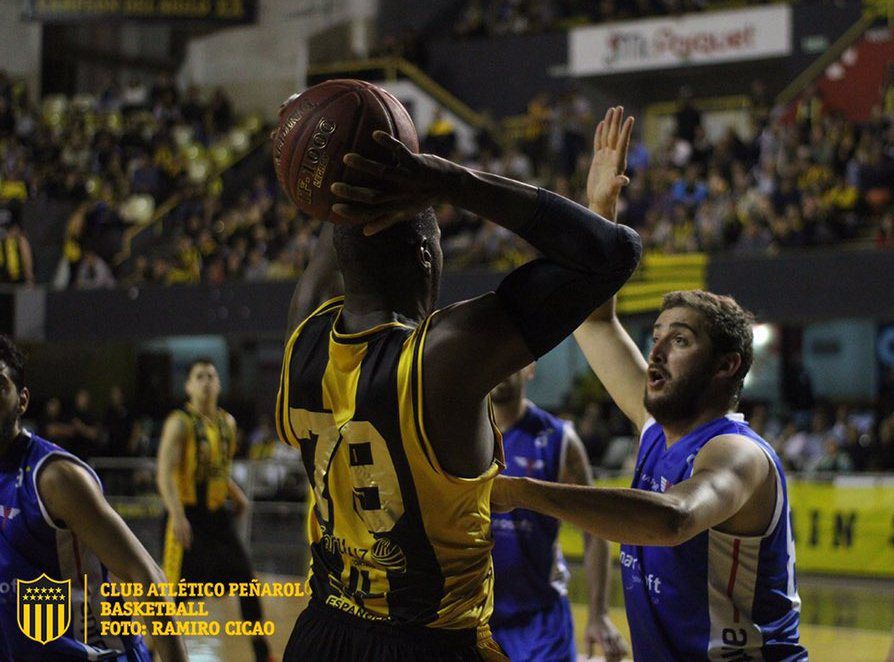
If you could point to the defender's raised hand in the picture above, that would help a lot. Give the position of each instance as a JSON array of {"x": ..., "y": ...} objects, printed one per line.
[
  {"x": 412, "y": 183},
  {"x": 606, "y": 177}
]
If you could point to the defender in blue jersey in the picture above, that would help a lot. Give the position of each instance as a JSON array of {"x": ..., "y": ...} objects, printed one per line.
[
  {"x": 707, "y": 557},
  {"x": 55, "y": 521},
  {"x": 532, "y": 615}
]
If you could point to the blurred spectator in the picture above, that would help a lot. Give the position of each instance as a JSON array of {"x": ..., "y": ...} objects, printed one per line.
[
  {"x": 16, "y": 259},
  {"x": 93, "y": 272},
  {"x": 122, "y": 431},
  {"x": 135, "y": 96},
  {"x": 86, "y": 438},
  {"x": 52, "y": 425},
  {"x": 804, "y": 450},
  {"x": 688, "y": 117},
  {"x": 440, "y": 137},
  {"x": 882, "y": 455}
]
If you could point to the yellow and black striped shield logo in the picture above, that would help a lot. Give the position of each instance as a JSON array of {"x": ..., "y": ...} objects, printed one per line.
[{"x": 44, "y": 608}]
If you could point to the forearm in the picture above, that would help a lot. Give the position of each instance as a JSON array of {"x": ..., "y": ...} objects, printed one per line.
[
  {"x": 145, "y": 573},
  {"x": 560, "y": 229},
  {"x": 597, "y": 564},
  {"x": 169, "y": 495},
  {"x": 628, "y": 516}
]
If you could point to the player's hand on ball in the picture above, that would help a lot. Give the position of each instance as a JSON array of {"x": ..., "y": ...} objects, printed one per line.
[
  {"x": 610, "y": 144},
  {"x": 601, "y": 631},
  {"x": 409, "y": 185}
]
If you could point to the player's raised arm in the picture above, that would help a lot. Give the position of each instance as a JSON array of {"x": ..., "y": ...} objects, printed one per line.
[
  {"x": 586, "y": 260},
  {"x": 74, "y": 498},
  {"x": 609, "y": 349},
  {"x": 321, "y": 280},
  {"x": 726, "y": 474}
]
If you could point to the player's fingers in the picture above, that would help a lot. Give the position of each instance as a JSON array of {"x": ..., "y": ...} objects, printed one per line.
[
  {"x": 363, "y": 164},
  {"x": 360, "y": 193},
  {"x": 626, "y": 132},
  {"x": 387, "y": 140},
  {"x": 599, "y": 138},
  {"x": 614, "y": 127}
]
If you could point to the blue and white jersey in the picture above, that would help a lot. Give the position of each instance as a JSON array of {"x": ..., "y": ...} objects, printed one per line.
[
  {"x": 32, "y": 544},
  {"x": 717, "y": 596},
  {"x": 529, "y": 570}
]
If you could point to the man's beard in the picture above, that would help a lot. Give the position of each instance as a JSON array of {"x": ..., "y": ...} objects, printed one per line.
[{"x": 681, "y": 402}]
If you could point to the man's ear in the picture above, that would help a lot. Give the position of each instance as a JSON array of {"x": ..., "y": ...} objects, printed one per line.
[
  {"x": 424, "y": 255},
  {"x": 24, "y": 399},
  {"x": 728, "y": 365}
]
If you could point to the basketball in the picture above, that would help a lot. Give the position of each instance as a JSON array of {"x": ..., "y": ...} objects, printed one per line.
[{"x": 322, "y": 124}]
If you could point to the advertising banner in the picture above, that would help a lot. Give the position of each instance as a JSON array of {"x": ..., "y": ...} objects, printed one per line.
[{"x": 663, "y": 43}]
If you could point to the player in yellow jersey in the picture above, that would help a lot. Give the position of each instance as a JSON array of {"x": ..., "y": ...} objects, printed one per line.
[
  {"x": 388, "y": 400},
  {"x": 194, "y": 461}
]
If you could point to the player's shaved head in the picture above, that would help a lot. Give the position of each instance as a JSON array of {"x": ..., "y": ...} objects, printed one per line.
[{"x": 400, "y": 264}]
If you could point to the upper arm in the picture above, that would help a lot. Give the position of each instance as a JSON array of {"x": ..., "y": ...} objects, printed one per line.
[
  {"x": 71, "y": 495},
  {"x": 470, "y": 348},
  {"x": 575, "y": 469},
  {"x": 170, "y": 449},
  {"x": 321, "y": 280},
  {"x": 234, "y": 433},
  {"x": 618, "y": 364},
  {"x": 727, "y": 472}
]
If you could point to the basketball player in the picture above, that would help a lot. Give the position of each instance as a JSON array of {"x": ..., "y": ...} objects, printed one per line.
[
  {"x": 55, "y": 521},
  {"x": 532, "y": 616},
  {"x": 707, "y": 556},
  {"x": 388, "y": 401},
  {"x": 194, "y": 461}
]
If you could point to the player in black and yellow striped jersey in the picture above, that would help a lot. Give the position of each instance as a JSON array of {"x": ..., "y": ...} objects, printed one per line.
[
  {"x": 194, "y": 461},
  {"x": 388, "y": 401},
  {"x": 16, "y": 261}
]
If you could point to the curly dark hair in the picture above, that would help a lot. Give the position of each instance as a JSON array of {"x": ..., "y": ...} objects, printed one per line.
[
  {"x": 728, "y": 326},
  {"x": 14, "y": 360}
]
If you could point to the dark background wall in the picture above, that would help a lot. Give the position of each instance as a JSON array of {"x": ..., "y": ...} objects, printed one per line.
[{"x": 796, "y": 287}]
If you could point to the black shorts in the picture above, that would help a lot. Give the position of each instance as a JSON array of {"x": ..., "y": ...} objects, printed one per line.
[
  {"x": 216, "y": 553},
  {"x": 324, "y": 634}
]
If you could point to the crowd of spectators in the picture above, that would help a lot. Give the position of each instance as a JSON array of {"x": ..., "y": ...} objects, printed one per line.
[
  {"x": 807, "y": 179},
  {"x": 261, "y": 236},
  {"x": 785, "y": 178},
  {"x": 801, "y": 177},
  {"x": 114, "y": 156}
]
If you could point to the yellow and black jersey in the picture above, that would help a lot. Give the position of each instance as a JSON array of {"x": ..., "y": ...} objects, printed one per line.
[
  {"x": 204, "y": 473},
  {"x": 11, "y": 269},
  {"x": 393, "y": 536}
]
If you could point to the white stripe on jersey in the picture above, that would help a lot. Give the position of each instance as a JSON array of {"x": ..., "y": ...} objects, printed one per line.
[{"x": 732, "y": 577}]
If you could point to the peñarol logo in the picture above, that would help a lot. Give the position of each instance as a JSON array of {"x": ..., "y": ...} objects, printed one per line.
[{"x": 44, "y": 608}]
